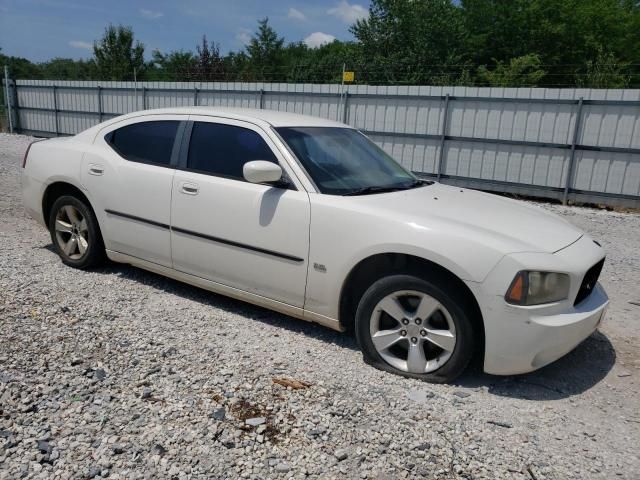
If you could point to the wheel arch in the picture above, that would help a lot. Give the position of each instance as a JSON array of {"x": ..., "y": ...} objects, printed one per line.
[
  {"x": 376, "y": 266},
  {"x": 57, "y": 189}
]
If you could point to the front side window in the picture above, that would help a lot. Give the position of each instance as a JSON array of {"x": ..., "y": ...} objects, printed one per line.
[
  {"x": 342, "y": 161},
  {"x": 222, "y": 150},
  {"x": 145, "y": 142}
]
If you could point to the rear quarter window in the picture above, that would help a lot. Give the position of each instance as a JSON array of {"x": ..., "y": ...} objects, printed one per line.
[{"x": 145, "y": 142}]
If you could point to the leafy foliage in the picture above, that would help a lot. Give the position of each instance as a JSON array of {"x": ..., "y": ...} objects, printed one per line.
[
  {"x": 411, "y": 42},
  {"x": 173, "y": 64},
  {"x": 565, "y": 35},
  {"x": 115, "y": 55},
  {"x": 604, "y": 72},
  {"x": 209, "y": 63},
  {"x": 586, "y": 43},
  {"x": 20, "y": 67},
  {"x": 265, "y": 49},
  {"x": 522, "y": 71}
]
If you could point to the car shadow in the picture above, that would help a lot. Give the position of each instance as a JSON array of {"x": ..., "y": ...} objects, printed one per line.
[
  {"x": 211, "y": 299},
  {"x": 578, "y": 371},
  {"x": 573, "y": 374}
]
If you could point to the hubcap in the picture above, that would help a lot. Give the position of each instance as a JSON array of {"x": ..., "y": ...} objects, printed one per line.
[
  {"x": 72, "y": 233},
  {"x": 412, "y": 331}
]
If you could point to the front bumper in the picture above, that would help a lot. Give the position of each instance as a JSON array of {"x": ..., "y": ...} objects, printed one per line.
[{"x": 522, "y": 339}]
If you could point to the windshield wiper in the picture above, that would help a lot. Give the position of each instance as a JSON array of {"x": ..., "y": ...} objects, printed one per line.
[
  {"x": 372, "y": 189},
  {"x": 382, "y": 189},
  {"x": 419, "y": 183}
]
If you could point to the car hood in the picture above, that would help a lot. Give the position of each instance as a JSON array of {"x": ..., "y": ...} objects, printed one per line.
[{"x": 516, "y": 225}]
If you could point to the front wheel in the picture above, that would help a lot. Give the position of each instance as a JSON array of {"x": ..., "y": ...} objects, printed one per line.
[
  {"x": 412, "y": 327},
  {"x": 75, "y": 233}
]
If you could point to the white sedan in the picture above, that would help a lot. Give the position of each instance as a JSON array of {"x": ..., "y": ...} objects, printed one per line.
[{"x": 310, "y": 218}]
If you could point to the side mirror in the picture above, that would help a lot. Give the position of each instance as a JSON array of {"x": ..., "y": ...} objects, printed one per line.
[{"x": 261, "y": 171}]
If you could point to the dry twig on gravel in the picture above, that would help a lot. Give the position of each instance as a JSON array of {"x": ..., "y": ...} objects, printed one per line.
[{"x": 295, "y": 384}]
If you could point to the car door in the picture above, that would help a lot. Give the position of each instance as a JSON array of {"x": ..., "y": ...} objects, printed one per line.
[
  {"x": 248, "y": 236},
  {"x": 129, "y": 175}
]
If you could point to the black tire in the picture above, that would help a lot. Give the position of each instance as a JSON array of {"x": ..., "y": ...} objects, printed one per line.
[
  {"x": 93, "y": 254},
  {"x": 458, "y": 312}
]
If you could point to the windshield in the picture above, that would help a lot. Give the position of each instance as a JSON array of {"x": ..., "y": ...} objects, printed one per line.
[{"x": 342, "y": 161}]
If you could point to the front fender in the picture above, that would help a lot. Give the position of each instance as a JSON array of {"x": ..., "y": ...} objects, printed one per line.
[{"x": 341, "y": 239}]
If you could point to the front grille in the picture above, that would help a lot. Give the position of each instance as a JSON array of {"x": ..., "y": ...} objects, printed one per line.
[{"x": 589, "y": 282}]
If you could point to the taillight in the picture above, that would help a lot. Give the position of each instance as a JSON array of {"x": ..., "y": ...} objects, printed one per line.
[{"x": 26, "y": 154}]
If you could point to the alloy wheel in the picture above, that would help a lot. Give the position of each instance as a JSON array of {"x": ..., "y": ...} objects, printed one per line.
[
  {"x": 71, "y": 232},
  {"x": 412, "y": 331}
]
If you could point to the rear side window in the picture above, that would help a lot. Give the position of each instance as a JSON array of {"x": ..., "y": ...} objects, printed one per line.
[
  {"x": 222, "y": 150},
  {"x": 145, "y": 142}
]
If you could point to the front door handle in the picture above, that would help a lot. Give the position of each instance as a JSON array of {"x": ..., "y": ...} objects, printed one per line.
[
  {"x": 189, "y": 188},
  {"x": 95, "y": 169}
]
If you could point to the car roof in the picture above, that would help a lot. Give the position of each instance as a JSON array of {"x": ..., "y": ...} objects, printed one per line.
[{"x": 271, "y": 117}]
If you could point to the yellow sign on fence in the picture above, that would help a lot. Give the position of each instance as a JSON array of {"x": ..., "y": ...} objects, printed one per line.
[{"x": 348, "y": 76}]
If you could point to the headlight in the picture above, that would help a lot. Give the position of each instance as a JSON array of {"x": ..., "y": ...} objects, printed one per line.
[{"x": 535, "y": 288}]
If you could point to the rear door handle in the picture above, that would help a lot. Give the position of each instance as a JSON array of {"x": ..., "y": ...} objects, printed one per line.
[
  {"x": 95, "y": 169},
  {"x": 189, "y": 188}
]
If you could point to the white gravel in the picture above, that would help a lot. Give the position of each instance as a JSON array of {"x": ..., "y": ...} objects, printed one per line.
[{"x": 121, "y": 373}]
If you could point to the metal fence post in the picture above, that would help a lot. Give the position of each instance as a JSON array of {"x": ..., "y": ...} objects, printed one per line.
[
  {"x": 443, "y": 135},
  {"x": 99, "y": 104},
  {"x": 55, "y": 109},
  {"x": 261, "y": 99},
  {"x": 195, "y": 96},
  {"x": 572, "y": 157},
  {"x": 144, "y": 98},
  {"x": 8, "y": 99},
  {"x": 15, "y": 106},
  {"x": 345, "y": 107}
]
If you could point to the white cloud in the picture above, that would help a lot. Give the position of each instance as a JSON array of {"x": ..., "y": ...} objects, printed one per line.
[
  {"x": 150, "y": 14},
  {"x": 81, "y": 44},
  {"x": 317, "y": 39},
  {"x": 244, "y": 36},
  {"x": 348, "y": 13},
  {"x": 296, "y": 14}
]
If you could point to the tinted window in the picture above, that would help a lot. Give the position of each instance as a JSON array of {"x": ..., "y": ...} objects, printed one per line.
[
  {"x": 147, "y": 142},
  {"x": 224, "y": 149}
]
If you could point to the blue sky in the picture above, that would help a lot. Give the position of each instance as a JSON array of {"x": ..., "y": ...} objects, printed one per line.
[{"x": 43, "y": 29}]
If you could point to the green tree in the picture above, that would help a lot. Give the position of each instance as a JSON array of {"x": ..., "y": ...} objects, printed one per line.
[
  {"x": 564, "y": 34},
  {"x": 238, "y": 67},
  {"x": 19, "y": 67},
  {"x": 522, "y": 71},
  {"x": 499, "y": 30},
  {"x": 265, "y": 51},
  {"x": 68, "y": 69},
  {"x": 174, "y": 66},
  {"x": 417, "y": 41},
  {"x": 319, "y": 65},
  {"x": 604, "y": 72},
  {"x": 592, "y": 43},
  {"x": 116, "y": 56},
  {"x": 209, "y": 63}
]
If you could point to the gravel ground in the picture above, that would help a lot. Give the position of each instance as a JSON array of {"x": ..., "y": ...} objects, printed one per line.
[{"x": 121, "y": 373}]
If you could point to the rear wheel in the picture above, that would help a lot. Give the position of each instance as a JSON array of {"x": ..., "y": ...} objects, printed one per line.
[
  {"x": 75, "y": 233},
  {"x": 412, "y": 327}
]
